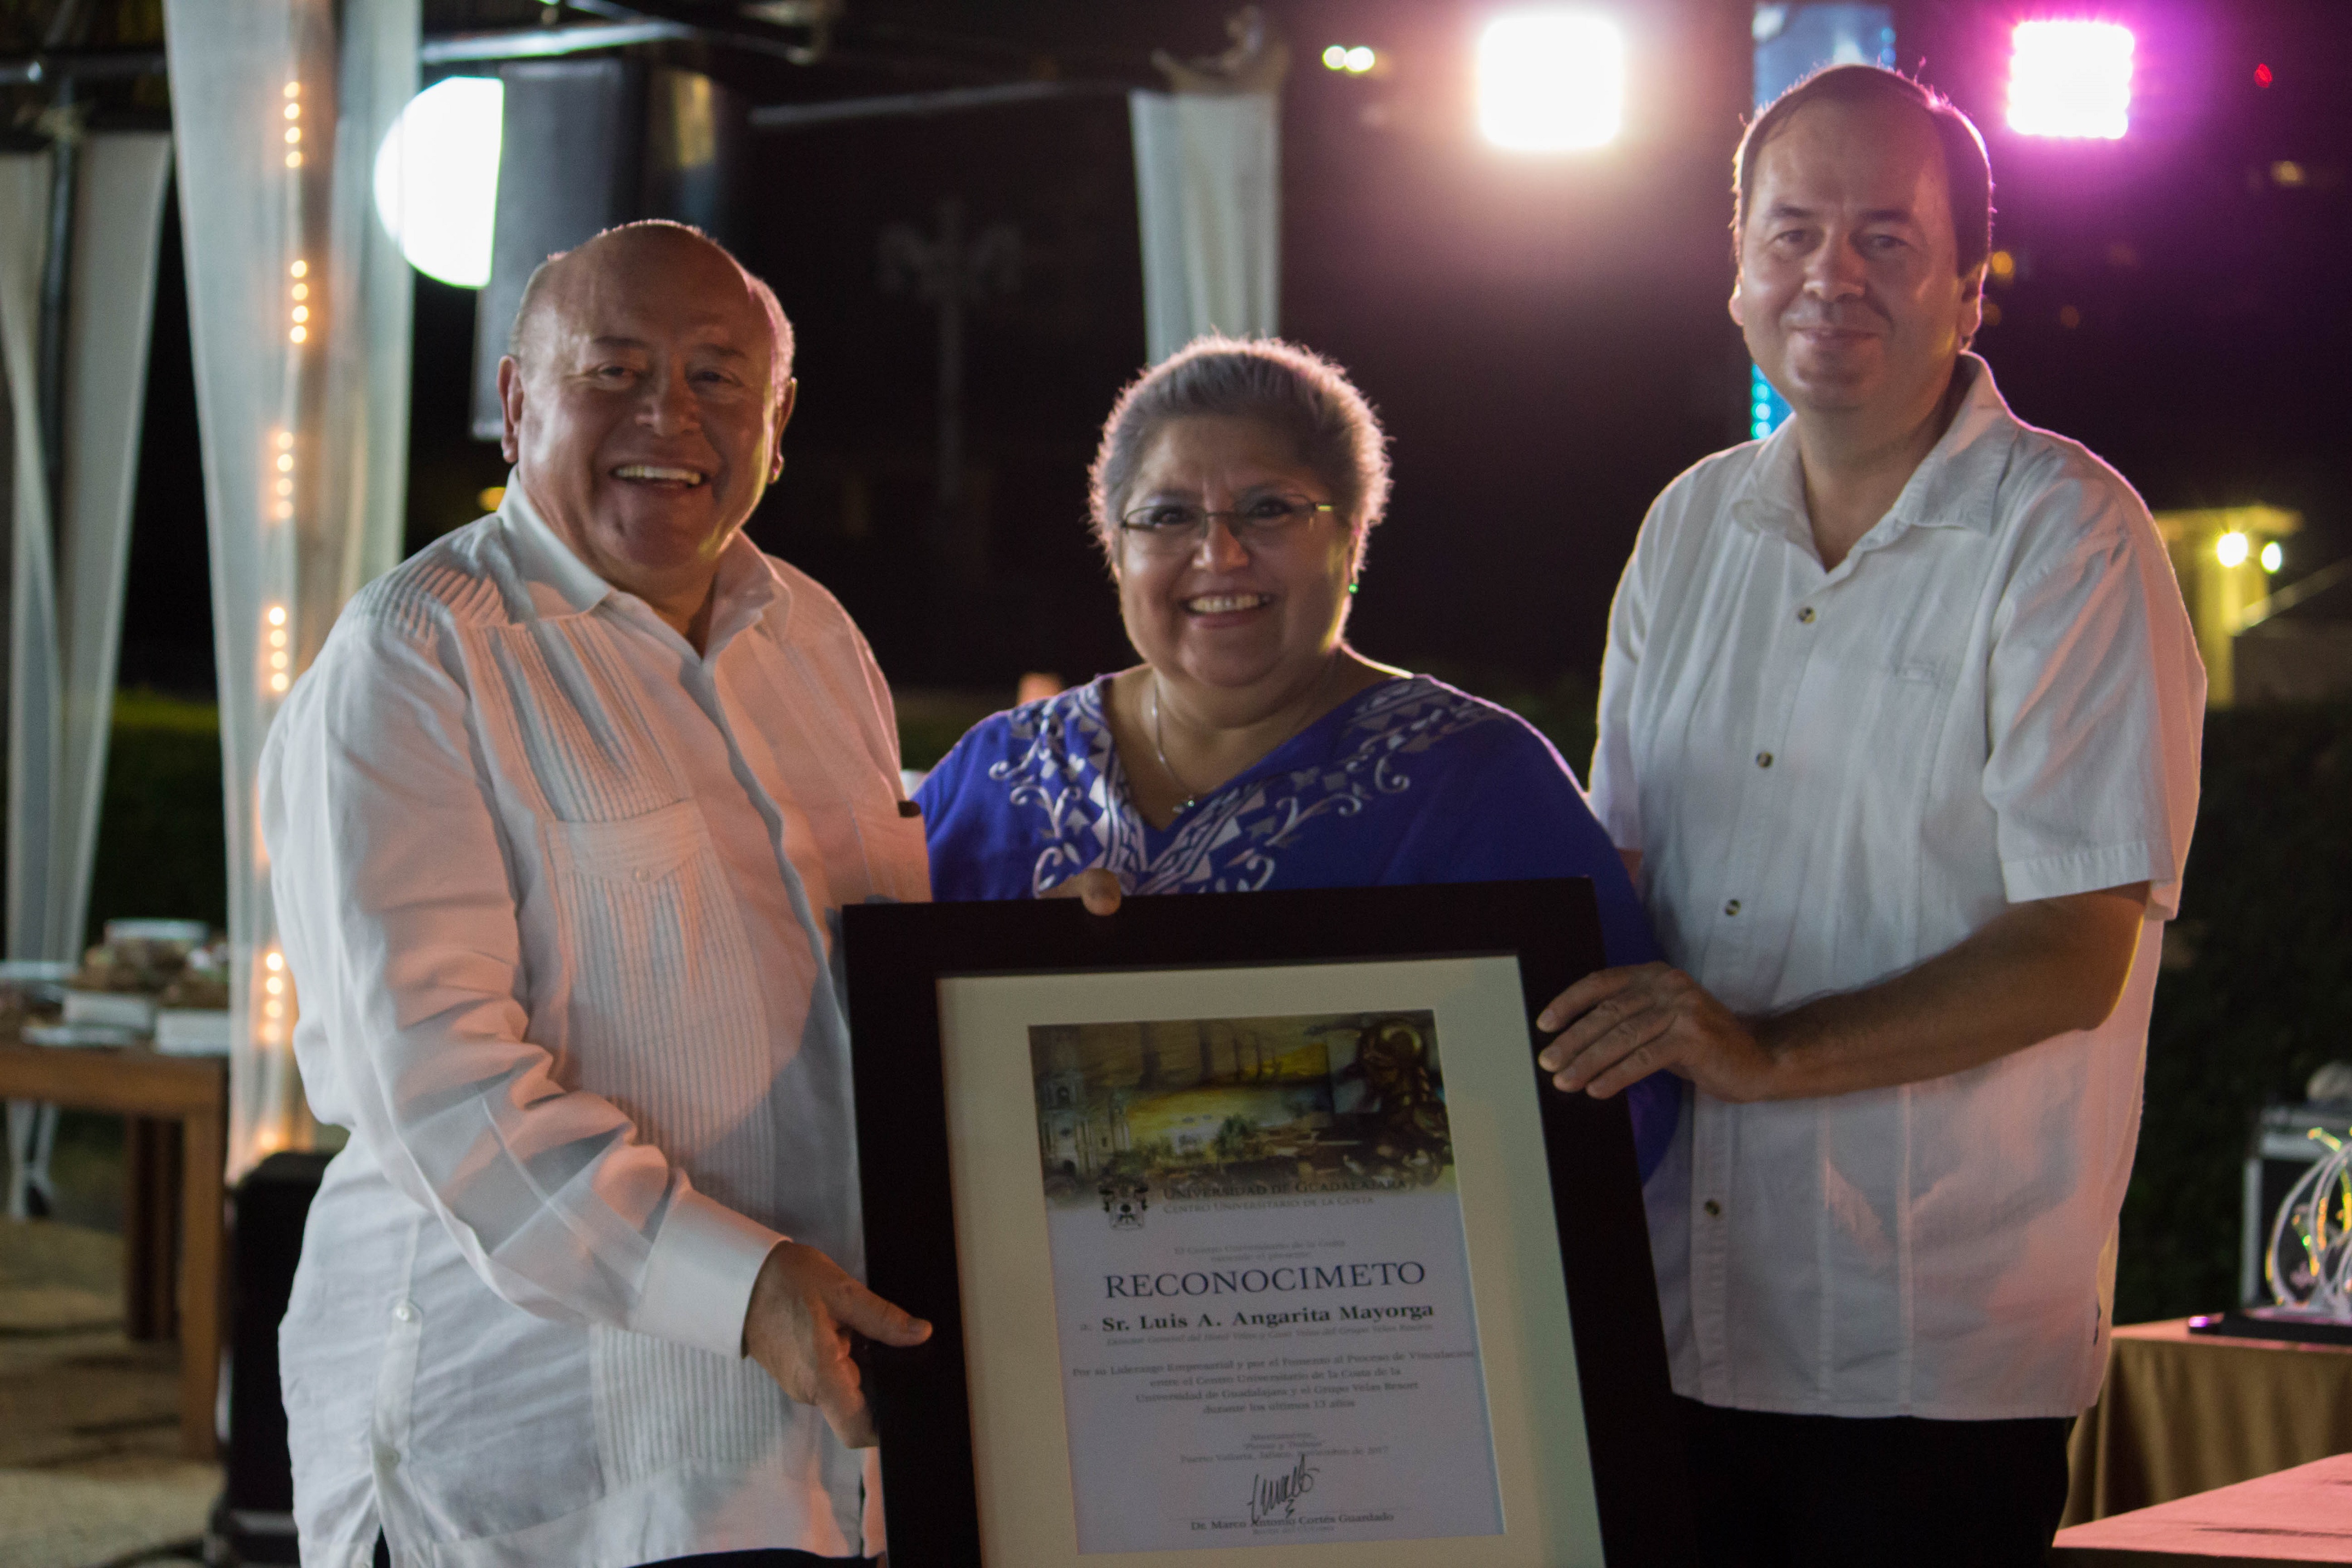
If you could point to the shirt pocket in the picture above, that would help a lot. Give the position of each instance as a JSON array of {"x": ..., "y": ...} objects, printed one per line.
[{"x": 664, "y": 1013}]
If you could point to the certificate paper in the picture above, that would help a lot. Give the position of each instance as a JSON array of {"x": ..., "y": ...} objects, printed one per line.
[
  {"x": 1450, "y": 1427},
  {"x": 1260, "y": 1282}
]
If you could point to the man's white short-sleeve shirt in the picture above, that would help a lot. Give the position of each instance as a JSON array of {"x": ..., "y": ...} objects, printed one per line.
[{"x": 1832, "y": 775}]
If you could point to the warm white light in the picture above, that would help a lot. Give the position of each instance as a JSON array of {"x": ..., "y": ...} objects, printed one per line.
[
  {"x": 293, "y": 110},
  {"x": 285, "y": 439},
  {"x": 275, "y": 985},
  {"x": 1551, "y": 81},
  {"x": 2273, "y": 557},
  {"x": 2230, "y": 549},
  {"x": 2070, "y": 78},
  {"x": 293, "y": 159},
  {"x": 293, "y": 134},
  {"x": 276, "y": 616},
  {"x": 293, "y": 89},
  {"x": 1335, "y": 59},
  {"x": 300, "y": 269},
  {"x": 277, "y": 638},
  {"x": 278, "y": 659},
  {"x": 285, "y": 462},
  {"x": 285, "y": 486},
  {"x": 1360, "y": 60},
  {"x": 301, "y": 291},
  {"x": 273, "y": 961},
  {"x": 278, "y": 682},
  {"x": 436, "y": 178},
  {"x": 284, "y": 511},
  {"x": 274, "y": 1009},
  {"x": 298, "y": 334},
  {"x": 301, "y": 312}
]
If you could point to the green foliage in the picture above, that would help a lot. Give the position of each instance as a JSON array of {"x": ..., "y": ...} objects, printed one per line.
[
  {"x": 162, "y": 843},
  {"x": 2256, "y": 994}
]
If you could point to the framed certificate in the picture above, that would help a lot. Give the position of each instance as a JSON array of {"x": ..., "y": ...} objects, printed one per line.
[{"x": 1248, "y": 1226}]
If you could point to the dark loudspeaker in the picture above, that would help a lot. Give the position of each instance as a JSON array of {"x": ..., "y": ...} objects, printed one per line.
[
  {"x": 254, "y": 1521},
  {"x": 586, "y": 144}
]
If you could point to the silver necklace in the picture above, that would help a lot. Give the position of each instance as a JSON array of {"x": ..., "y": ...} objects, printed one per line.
[{"x": 1159, "y": 738}]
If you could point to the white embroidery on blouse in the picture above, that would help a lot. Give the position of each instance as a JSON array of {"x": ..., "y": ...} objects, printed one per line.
[{"x": 1067, "y": 770}]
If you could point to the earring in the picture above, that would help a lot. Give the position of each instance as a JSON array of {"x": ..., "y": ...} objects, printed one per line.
[{"x": 1351, "y": 585}]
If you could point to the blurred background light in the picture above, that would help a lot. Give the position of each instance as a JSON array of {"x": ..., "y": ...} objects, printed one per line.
[
  {"x": 2070, "y": 78},
  {"x": 436, "y": 178},
  {"x": 2274, "y": 557},
  {"x": 1551, "y": 81},
  {"x": 2230, "y": 549},
  {"x": 1355, "y": 61}
]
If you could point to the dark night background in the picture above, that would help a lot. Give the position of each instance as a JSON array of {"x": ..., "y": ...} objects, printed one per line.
[{"x": 1545, "y": 339}]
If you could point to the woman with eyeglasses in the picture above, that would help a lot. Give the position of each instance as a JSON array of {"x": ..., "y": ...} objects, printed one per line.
[{"x": 1233, "y": 494}]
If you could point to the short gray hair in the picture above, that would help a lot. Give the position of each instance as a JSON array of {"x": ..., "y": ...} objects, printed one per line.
[
  {"x": 534, "y": 291},
  {"x": 1283, "y": 386}
]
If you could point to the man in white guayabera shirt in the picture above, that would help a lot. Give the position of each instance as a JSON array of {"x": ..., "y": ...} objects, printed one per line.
[
  {"x": 557, "y": 822},
  {"x": 1899, "y": 716}
]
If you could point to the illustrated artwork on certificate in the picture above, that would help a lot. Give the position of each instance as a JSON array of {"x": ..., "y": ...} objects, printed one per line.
[{"x": 1260, "y": 1273}]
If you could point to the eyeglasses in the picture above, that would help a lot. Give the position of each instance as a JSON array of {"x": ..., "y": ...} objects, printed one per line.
[{"x": 1177, "y": 527}]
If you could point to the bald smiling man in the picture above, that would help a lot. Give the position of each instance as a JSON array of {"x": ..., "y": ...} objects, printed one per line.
[{"x": 560, "y": 823}]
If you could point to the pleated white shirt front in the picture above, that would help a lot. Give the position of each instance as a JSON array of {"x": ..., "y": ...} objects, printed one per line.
[
  {"x": 1834, "y": 774},
  {"x": 559, "y": 896}
]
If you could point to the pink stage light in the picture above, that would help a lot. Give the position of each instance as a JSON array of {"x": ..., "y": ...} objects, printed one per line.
[{"x": 2070, "y": 78}]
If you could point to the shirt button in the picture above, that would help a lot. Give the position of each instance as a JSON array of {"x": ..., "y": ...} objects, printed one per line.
[
  {"x": 1763, "y": 759},
  {"x": 405, "y": 1312},
  {"x": 1731, "y": 906},
  {"x": 1806, "y": 615},
  {"x": 1714, "y": 1209}
]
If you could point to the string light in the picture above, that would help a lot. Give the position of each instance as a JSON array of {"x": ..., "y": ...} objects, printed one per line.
[{"x": 300, "y": 268}]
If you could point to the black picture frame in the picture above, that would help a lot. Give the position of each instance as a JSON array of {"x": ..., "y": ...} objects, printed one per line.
[{"x": 896, "y": 955}]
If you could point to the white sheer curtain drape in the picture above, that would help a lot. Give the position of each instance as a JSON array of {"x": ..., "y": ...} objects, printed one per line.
[
  {"x": 300, "y": 328},
  {"x": 65, "y": 581},
  {"x": 1208, "y": 179}
]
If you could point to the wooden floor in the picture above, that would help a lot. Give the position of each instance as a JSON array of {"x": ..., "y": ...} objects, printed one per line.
[{"x": 91, "y": 1475}]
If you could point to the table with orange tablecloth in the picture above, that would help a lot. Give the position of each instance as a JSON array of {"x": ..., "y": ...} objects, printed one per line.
[
  {"x": 2301, "y": 1515},
  {"x": 2182, "y": 1414}
]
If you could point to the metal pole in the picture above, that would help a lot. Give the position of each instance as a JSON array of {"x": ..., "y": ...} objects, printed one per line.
[{"x": 56, "y": 269}]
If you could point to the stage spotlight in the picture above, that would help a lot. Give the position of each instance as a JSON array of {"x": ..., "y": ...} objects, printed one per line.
[
  {"x": 436, "y": 178},
  {"x": 1551, "y": 81},
  {"x": 2070, "y": 78}
]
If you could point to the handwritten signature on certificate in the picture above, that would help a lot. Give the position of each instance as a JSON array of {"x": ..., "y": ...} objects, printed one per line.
[{"x": 1270, "y": 1496}]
